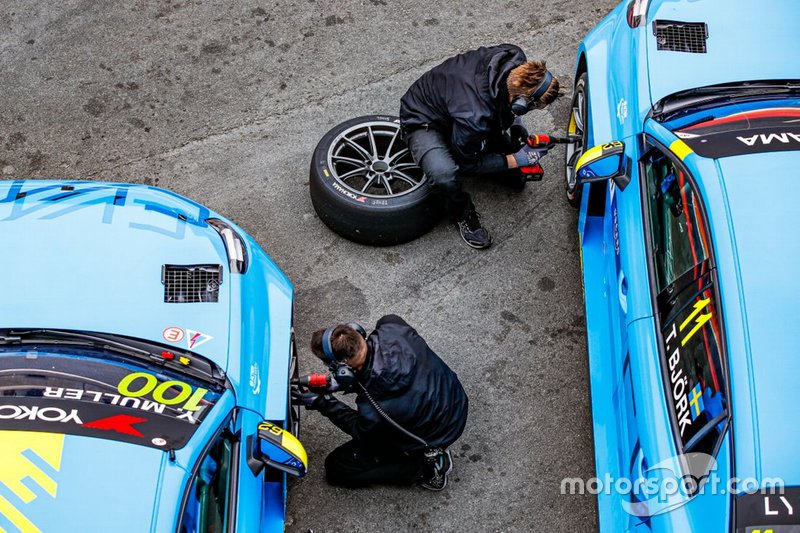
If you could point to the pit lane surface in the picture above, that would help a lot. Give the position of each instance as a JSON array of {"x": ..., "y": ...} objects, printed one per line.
[{"x": 224, "y": 102}]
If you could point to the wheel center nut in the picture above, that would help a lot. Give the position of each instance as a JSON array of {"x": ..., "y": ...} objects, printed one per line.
[{"x": 380, "y": 166}]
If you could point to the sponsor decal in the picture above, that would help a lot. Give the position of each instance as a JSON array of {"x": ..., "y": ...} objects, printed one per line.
[
  {"x": 785, "y": 137},
  {"x": 622, "y": 110},
  {"x": 119, "y": 423},
  {"x": 27, "y": 199},
  {"x": 748, "y": 132},
  {"x": 35, "y": 412},
  {"x": 695, "y": 319},
  {"x": 26, "y": 479},
  {"x": 173, "y": 334},
  {"x": 349, "y": 194},
  {"x": 195, "y": 338},
  {"x": 255, "y": 378}
]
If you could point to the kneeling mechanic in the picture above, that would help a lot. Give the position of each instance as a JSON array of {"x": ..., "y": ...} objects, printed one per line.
[{"x": 424, "y": 407}]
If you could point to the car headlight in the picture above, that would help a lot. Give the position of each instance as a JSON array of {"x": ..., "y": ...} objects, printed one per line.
[{"x": 234, "y": 245}]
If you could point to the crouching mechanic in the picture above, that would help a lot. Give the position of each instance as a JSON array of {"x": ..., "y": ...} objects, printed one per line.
[
  {"x": 394, "y": 370},
  {"x": 454, "y": 116}
]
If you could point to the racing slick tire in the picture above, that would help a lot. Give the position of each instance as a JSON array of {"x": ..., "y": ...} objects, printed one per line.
[
  {"x": 366, "y": 187},
  {"x": 577, "y": 128}
]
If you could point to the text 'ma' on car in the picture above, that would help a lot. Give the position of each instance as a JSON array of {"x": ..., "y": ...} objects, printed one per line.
[
  {"x": 146, "y": 348},
  {"x": 686, "y": 179}
]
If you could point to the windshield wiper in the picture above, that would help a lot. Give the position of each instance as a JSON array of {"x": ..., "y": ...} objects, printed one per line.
[
  {"x": 701, "y": 98},
  {"x": 142, "y": 351}
]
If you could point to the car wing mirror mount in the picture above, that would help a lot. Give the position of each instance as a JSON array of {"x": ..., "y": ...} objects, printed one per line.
[
  {"x": 604, "y": 162},
  {"x": 275, "y": 447}
]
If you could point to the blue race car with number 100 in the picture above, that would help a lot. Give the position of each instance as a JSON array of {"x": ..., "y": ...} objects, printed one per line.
[
  {"x": 684, "y": 167},
  {"x": 145, "y": 354}
]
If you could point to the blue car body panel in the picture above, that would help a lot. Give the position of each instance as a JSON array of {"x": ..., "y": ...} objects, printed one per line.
[
  {"x": 745, "y": 42},
  {"x": 88, "y": 256},
  {"x": 747, "y": 203}
]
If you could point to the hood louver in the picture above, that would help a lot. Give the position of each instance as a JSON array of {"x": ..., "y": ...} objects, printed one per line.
[
  {"x": 185, "y": 284},
  {"x": 677, "y": 36}
]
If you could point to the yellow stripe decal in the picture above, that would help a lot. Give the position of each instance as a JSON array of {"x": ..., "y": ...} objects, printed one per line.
[
  {"x": 588, "y": 156},
  {"x": 681, "y": 149},
  {"x": 16, "y": 468},
  {"x": 291, "y": 443}
]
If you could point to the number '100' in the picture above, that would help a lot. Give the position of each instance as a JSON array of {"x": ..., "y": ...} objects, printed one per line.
[{"x": 130, "y": 387}]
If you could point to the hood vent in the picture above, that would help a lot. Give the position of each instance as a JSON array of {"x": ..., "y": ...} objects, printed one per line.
[
  {"x": 187, "y": 284},
  {"x": 677, "y": 36}
]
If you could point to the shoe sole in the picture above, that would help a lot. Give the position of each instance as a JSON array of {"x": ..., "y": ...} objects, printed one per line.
[{"x": 476, "y": 246}]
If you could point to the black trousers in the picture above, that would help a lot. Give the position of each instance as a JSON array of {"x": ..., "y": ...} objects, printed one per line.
[
  {"x": 355, "y": 465},
  {"x": 431, "y": 151}
]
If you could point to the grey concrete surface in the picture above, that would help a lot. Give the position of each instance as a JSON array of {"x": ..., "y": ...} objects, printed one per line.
[{"x": 224, "y": 101}]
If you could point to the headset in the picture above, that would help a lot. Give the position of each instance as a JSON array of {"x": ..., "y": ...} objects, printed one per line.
[
  {"x": 522, "y": 103},
  {"x": 345, "y": 374}
]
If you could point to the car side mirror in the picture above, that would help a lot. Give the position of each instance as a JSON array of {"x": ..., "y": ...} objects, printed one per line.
[
  {"x": 604, "y": 162},
  {"x": 275, "y": 447}
]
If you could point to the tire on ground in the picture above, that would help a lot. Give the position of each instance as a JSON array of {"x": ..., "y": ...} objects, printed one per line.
[{"x": 369, "y": 214}]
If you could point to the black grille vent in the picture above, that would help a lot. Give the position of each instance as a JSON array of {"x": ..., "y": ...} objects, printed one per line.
[
  {"x": 681, "y": 36},
  {"x": 186, "y": 284}
]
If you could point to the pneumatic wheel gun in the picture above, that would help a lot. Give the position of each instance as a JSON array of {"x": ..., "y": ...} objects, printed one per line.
[{"x": 543, "y": 142}]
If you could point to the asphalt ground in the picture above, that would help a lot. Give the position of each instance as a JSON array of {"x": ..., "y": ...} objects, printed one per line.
[{"x": 224, "y": 101}]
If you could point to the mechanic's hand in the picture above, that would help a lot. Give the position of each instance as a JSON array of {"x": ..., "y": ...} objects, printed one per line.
[
  {"x": 311, "y": 400},
  {"x": 528, "y": 157},
  {"x": 518, "y": 135}
]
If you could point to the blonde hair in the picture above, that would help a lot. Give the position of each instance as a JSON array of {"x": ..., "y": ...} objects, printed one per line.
[{"x": 524, "y": 79}]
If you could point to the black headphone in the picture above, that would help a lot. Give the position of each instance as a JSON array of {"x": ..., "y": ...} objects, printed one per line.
[
  {"x": 522, "y": 103},
  {"x": 344, "y": 374}
]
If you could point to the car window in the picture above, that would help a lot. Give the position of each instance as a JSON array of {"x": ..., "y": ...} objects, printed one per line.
[
  {"x": 207, "y": 508},
  {"x": 692, "y": 350},
  {"x": 678, "y": 233}
]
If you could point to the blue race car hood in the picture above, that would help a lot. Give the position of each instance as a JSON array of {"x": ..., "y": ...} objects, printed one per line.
[
  {"x": 763, "y": 41},
  {"x": 111, "y": 243}
]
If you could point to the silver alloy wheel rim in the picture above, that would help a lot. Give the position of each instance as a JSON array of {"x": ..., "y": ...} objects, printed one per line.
[
  {"x": 371, "y": 160},
  {"x": 575, "y": 149}
]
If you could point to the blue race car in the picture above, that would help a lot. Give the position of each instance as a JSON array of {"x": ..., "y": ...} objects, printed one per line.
[
  {"x": 145, "y": 355},
  {"x": 686, "y": 124}
]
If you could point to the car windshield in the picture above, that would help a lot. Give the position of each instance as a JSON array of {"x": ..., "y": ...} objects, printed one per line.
[
  {"x": 730, "y": 126},
  {"x": 89, "y": 389}
]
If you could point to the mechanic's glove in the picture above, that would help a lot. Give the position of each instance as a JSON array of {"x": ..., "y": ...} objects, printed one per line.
[
  {"x": 528, "y": 157},
  {"x": 518, "y": 135},
  {"x": 311, "y": 400}
]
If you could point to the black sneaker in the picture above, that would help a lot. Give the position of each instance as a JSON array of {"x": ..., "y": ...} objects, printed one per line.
[
  {"x": 442, "y": 468},
  {"x": 473, "y": 233}
]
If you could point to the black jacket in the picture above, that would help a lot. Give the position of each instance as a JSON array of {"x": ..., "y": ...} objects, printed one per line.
[
  {"x": 466, "y": 98},
  {"x": 411, "y": 384}
]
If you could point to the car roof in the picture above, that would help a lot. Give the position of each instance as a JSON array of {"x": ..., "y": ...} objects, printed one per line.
[
  {"x": 760, "y": 292},
  {"x": 108, "y": 244},
  {"x": 744, "y": 43},
  {"x": 56, "y": 482}
]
